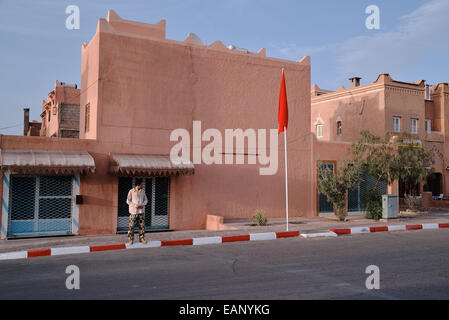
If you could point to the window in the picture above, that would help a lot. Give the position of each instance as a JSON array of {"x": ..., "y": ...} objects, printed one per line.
[
  {"x": 54, "y": 110},
  {"x": 338, "y": 128},
  {"x": 414, "y": 125},
  {"x": 319, "y": 130},
  {"x": 396, "y": 124},
  {"x": 428, "y": 126},
  {"x": 49, "y": 115},
  {"x": 87, "y": 117}
]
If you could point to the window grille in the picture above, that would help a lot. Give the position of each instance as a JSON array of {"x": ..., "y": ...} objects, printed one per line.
[{"x": 40, "y": 205}]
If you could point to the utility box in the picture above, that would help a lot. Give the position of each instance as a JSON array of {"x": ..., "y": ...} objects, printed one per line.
[{"x": 389, "y": 206}]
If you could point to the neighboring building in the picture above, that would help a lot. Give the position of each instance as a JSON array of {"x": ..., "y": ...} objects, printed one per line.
[
  {"x": 387, "y": 105},
  {"x": 138, "y": 87},
  {"x": 61, "y": 111},
  {"x": 32, "y": 128}
]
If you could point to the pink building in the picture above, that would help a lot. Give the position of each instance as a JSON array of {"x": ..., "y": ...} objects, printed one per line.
[
  {"x": 387, "y": 105},
  {"x": 61, "y": 111},
  {"x": 137, "y": 88}
]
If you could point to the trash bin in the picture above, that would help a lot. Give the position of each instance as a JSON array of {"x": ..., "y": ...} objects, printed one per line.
[{"x": 389, "y": 206}]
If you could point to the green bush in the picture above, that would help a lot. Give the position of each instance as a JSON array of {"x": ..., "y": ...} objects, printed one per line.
[
  {"x": 374, "y": 206},
  {"x": 260, "y": 218}
]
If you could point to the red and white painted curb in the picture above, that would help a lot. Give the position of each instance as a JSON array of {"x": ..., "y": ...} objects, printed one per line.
[
  {"x": 150, "y": 244},
  {"x": 356, "y": 230},
  {"x": 212, "y": 240}
]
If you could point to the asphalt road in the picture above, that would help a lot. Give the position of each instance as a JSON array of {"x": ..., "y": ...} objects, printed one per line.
[{"x": 413, "y": 265}]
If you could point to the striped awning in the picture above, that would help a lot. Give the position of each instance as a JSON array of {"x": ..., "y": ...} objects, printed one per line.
[
  {"x": 149, "y": 164},
  {"x": 46, "y": 161}
]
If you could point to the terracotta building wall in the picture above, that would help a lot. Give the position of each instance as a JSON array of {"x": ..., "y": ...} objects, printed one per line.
[
  {"x": 407, "y": 103},
  {"x": 357, "y": 108},
  {"x": 61, "y": 95},
  {"x": 90, "y": 84},
  {"x": 146, "y": 87}
]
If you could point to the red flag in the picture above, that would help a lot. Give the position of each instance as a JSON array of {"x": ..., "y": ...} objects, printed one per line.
[{"x": 283, "y": 107}]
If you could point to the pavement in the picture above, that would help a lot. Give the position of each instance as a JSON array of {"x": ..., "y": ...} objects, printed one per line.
[
  {"x": 412, "y": 265},
  {"x": 305, "y": 225}
]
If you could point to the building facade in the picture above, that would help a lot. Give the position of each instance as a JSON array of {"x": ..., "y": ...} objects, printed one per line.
[
  {"x": 138, "y": 88},
  {"x": 388, "y": 105},
  {"x": 61, "y": 111}
]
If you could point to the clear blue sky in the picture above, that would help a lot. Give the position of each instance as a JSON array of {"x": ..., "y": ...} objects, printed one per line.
[{"x": 412, "y": 42}]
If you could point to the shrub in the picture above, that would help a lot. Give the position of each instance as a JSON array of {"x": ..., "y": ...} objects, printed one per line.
[
  {"x": 374, "y": 206},
  {"x": 335, "y": 185},
  {"x": 260, "y": 218},
  {"x": 413, "y": 204}
]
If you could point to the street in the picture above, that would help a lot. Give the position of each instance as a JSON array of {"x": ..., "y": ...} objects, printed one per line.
[{"x": 413, "y": 265}]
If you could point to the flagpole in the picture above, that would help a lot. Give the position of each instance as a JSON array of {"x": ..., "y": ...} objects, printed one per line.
[{"x": 286, "y": 181}]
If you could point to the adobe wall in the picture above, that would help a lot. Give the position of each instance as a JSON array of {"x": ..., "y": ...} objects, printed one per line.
[
  {"x": 147, "y": 87},
  {"x": 407, "y": 102},
  {"x": 358, "y": 108}
]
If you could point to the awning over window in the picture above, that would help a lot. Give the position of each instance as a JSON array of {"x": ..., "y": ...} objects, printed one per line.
[
  {"x": 46, "y": 161},
  {"x": 147, "y": 164}
]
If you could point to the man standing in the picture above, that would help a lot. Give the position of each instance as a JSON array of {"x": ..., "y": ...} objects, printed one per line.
[{"x": 136, "y": 201}]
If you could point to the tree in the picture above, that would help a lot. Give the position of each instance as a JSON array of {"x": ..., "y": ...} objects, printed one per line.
[
  {"x": 334, "y": 186},
  {"x": 395, "y": 157}
]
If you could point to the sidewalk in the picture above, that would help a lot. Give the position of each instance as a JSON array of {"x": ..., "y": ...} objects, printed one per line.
[{"x": 302, "y": 224}]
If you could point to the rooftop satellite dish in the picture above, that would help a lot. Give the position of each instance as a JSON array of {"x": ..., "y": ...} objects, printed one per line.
[{"x": 195, "y": 38}]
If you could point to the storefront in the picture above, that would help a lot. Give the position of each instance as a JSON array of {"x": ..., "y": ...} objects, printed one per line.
[
  {"x": 39, "y": 191},
  {"x": 156, "y": 172}
]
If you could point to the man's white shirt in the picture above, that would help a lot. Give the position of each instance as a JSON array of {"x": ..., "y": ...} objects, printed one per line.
[{"x": 135, "y": 199}]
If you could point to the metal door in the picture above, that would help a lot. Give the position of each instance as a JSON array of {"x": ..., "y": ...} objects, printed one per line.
[
  {"x": 354, "y": 200},
  {"x": 157, "y": 208},
  {"x": 40, "y": 205},
  {"x": 324, "y": 205}
]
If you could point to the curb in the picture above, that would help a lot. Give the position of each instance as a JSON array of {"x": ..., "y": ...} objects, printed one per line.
[
  {"x": 213, "y": 240},
  {"x": 402, "y": 227},
  {"x": 149, "y": 244}
]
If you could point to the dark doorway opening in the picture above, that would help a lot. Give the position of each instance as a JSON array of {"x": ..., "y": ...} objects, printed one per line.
[{"x": 434, "y": 184}]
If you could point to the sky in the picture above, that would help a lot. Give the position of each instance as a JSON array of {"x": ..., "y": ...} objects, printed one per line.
[{"x": 412, "y": 41}]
